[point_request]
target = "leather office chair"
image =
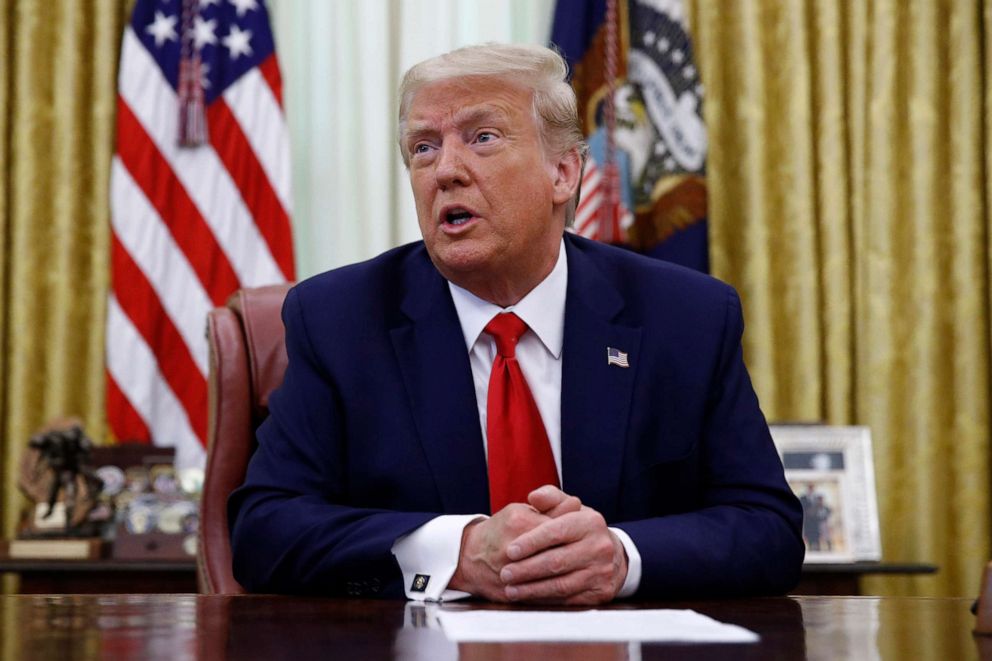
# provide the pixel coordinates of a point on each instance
(247, 362)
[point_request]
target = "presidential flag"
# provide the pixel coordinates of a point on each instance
(641, 103)
(200, 205)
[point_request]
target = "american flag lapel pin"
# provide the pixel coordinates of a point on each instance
(616, 357)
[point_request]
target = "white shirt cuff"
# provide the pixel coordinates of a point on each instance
(633, 580)
(428, 557)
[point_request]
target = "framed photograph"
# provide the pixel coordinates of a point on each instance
(831, 470)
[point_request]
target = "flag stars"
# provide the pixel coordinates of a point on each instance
(649, 38)
(204, 32)
(663, 45)
(237, 42)
(206, 3)
(163, 29)
(244, 6)
(688, 72)
(678, 56)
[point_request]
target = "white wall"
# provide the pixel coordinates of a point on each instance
(341, 62)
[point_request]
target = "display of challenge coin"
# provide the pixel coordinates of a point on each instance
(140, 517)
(163, 479)
(122, 500)
(136, 479)
(173, 517)
(191, 481)
(189, 544)
(113, 479)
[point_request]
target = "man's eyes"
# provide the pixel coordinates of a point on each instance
(425, 146)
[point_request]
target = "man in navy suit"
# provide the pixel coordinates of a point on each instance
(373, 471)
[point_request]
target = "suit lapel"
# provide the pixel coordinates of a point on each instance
(430, 350)
(596, 396)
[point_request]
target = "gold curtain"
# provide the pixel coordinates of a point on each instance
(849, 188)
(58, 70)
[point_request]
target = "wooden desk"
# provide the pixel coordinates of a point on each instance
(119, 576)
(215, 627)
(122, 576)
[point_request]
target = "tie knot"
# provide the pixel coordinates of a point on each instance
(506, 328)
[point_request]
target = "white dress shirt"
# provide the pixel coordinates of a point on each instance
(432, 550)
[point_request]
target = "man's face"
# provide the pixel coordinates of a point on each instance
(489, 201)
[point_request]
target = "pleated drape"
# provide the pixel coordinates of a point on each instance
(57, 95)
(849, 205)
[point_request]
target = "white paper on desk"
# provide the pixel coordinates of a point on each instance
(682, 626)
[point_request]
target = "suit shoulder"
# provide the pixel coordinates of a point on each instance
(363, 293)
(356, 282)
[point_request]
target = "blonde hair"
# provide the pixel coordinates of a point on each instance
(540, 69)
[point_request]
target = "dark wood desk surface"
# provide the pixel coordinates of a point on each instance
(247, 627)
(133, 576)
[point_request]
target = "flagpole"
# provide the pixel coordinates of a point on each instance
(609, 221)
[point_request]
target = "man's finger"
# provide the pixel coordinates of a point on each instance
(553, 532)
(552, 562)
(559, 589)
(554, 589)
(552, 501)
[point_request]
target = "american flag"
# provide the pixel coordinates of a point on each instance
(191, 223)
(594, 201)
(616, 357)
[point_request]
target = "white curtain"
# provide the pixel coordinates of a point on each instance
(342, 61)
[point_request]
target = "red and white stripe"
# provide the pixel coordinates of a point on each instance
(190, 226)
(592, 205)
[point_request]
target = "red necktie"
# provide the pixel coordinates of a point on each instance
(520, 458)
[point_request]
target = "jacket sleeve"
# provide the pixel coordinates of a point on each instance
(292, 528)
(744, 537)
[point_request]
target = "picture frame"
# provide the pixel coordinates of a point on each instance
(832, 472)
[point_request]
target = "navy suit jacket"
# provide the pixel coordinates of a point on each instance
(375, 430)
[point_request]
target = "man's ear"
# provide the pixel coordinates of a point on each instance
(568, 171)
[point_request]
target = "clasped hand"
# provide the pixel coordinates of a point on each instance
(553, 550)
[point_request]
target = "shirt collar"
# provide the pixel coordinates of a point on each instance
(542, 309)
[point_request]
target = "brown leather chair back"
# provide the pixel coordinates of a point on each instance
(247, 362)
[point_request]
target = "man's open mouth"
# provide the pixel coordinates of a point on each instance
(457, 216)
